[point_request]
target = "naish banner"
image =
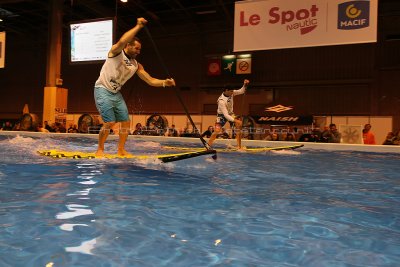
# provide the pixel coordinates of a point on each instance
(284, 120)
(276, 24)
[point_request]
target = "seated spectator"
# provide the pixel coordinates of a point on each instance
(172, 131)
(7, 126)
(75, 129)
(396, 140)
(138, 129)
(48, 127)
(389, 139)
(40, 128)
(223, 134)
(332, 135)
(84, 128)
(208, 132)
(59, 128)
(17, 126)
(290, 137)
(272, 137)
(308, 137)
(368, 136)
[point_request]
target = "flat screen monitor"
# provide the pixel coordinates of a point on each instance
(91, 40)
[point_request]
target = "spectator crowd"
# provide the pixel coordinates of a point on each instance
(329, 134)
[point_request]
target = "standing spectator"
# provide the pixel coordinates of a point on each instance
(332, 135)
(368, 135)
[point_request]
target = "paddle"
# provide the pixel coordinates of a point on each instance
(206, 145)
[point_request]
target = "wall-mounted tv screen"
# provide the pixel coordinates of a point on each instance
(91, 40)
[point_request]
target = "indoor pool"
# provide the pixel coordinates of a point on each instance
(285, 208)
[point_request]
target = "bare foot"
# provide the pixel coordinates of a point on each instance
(124, 153)
(229, 146)
(99, 153)
(242, 148)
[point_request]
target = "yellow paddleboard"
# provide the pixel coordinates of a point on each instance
(162, 157)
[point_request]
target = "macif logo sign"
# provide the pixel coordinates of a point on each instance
(353, 15)
(304, 19)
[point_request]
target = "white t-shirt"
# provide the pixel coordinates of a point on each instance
(225, 104)
(116, 71)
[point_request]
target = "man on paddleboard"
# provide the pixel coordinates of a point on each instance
(225, 113)
(118, 68)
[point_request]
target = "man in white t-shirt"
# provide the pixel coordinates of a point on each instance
(118, 68)
(225, 113)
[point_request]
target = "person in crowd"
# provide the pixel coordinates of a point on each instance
(290, 137)
(73, 128)
(138, 129)
(389, 139)
(273, 136)
(172, 131)
(83, 128)
(225, 113)
(368, 135)
(308, 137)
(17, 126)
(332, 135)
(396, 139)
(223, 134)
(118, 68)
(61, 127)
(41, 129)
(189, 133)
(7, 126)
(207, 133)
(48, 127)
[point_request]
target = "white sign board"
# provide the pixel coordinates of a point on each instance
(275, 24)
(91, 41)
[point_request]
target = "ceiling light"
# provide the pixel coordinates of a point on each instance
(124, 1)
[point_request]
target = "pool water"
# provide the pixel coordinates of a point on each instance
(288, 208)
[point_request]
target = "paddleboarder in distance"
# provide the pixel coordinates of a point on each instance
(225, 113)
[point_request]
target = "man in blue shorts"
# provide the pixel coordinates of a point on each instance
(225, 113)
(118, 68)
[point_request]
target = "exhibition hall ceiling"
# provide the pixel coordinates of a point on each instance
(30, 18)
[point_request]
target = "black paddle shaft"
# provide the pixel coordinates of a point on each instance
(206, 145)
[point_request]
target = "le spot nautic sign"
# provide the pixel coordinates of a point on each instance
(276, 24)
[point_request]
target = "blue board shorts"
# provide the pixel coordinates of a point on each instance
(221, 120)
(111, 106)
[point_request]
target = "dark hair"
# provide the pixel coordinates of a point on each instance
(228, 87)
(135, 39)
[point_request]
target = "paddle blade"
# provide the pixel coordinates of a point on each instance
(193, 154)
